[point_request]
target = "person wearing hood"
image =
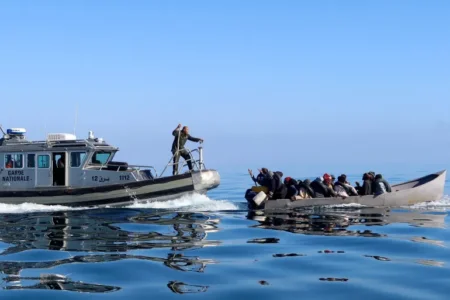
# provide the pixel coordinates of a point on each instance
(329, 184)
(304, 190)
(381, 186)
(262, 178)
(291, 187)
(277, 190)
(321, 187)
(366, 188)
(343, 189)
(333, 180)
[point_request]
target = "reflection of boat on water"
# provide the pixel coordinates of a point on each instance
(336, 222)
(174, 261)
(183, 288)
(98, 232)
(103, 231)
(425, 189)
(57, 282)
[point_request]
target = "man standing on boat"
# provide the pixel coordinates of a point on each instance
(181, 136)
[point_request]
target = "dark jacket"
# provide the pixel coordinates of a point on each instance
(319, 188)
(183, 139)
(366, 188)
(277, 189)
(347, 189)
(306, 185)
(377, 186)
(386, 184)
(291, 187)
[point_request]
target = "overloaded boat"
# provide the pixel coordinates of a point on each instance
(65, 170)
(424, 189)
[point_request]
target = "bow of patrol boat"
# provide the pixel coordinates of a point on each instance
(205, 180)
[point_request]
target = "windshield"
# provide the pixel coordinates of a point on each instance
(100, 157)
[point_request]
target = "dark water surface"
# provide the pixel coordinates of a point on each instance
(214, 248)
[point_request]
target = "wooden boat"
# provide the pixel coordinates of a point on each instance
(424, 189)
(65, 170)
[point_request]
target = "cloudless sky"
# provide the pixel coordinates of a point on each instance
(274, 83)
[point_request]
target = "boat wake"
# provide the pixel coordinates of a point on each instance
(440, 204)
(195, 203)
(189, 203)
(443, 203)
(33, 207)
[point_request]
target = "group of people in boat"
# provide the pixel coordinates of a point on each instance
(326, 186)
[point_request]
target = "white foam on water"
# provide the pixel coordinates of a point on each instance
(194, 202)
(350, 205)
(33, 207)
(439, 204)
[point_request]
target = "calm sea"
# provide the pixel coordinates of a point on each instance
(211, 247)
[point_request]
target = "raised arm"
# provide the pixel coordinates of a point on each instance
(176, 131)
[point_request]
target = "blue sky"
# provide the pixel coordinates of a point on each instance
(279, 83)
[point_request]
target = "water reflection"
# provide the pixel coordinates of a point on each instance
(56, 282)
(173, 261)
(338, 222)
(183, 288)
(112, 235)
(74, 231)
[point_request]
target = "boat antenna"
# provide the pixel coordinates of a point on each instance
(1, 128)
(76, 119)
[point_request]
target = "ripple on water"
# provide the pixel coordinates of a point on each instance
(197, 246)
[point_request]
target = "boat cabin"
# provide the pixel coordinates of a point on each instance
(61, 161)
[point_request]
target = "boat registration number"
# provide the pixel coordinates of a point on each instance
(124, 177)
(100, 178)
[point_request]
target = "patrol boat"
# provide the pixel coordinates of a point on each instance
(64, 170)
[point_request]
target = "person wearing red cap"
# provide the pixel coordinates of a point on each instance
(321, 187)
(327, 180)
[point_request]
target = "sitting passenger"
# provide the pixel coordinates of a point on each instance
(329, 184)
(381, 185)
(277, 190)
(321, 187)
(372, 179)
(388, 186)
(366, 188)
(291, 187)
(262, 178)
(318, 187)
(333, 180)
(304, 189)
(353, 191)
(343, 189)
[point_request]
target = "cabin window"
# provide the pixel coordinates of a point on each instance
(100, 157)
(30, 161)
(14, 161)
(77, 159)
(43, 161)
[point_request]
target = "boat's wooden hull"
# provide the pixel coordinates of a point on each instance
(424, 189)
(159, 189)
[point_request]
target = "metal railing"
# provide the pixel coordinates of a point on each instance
(196, 163)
